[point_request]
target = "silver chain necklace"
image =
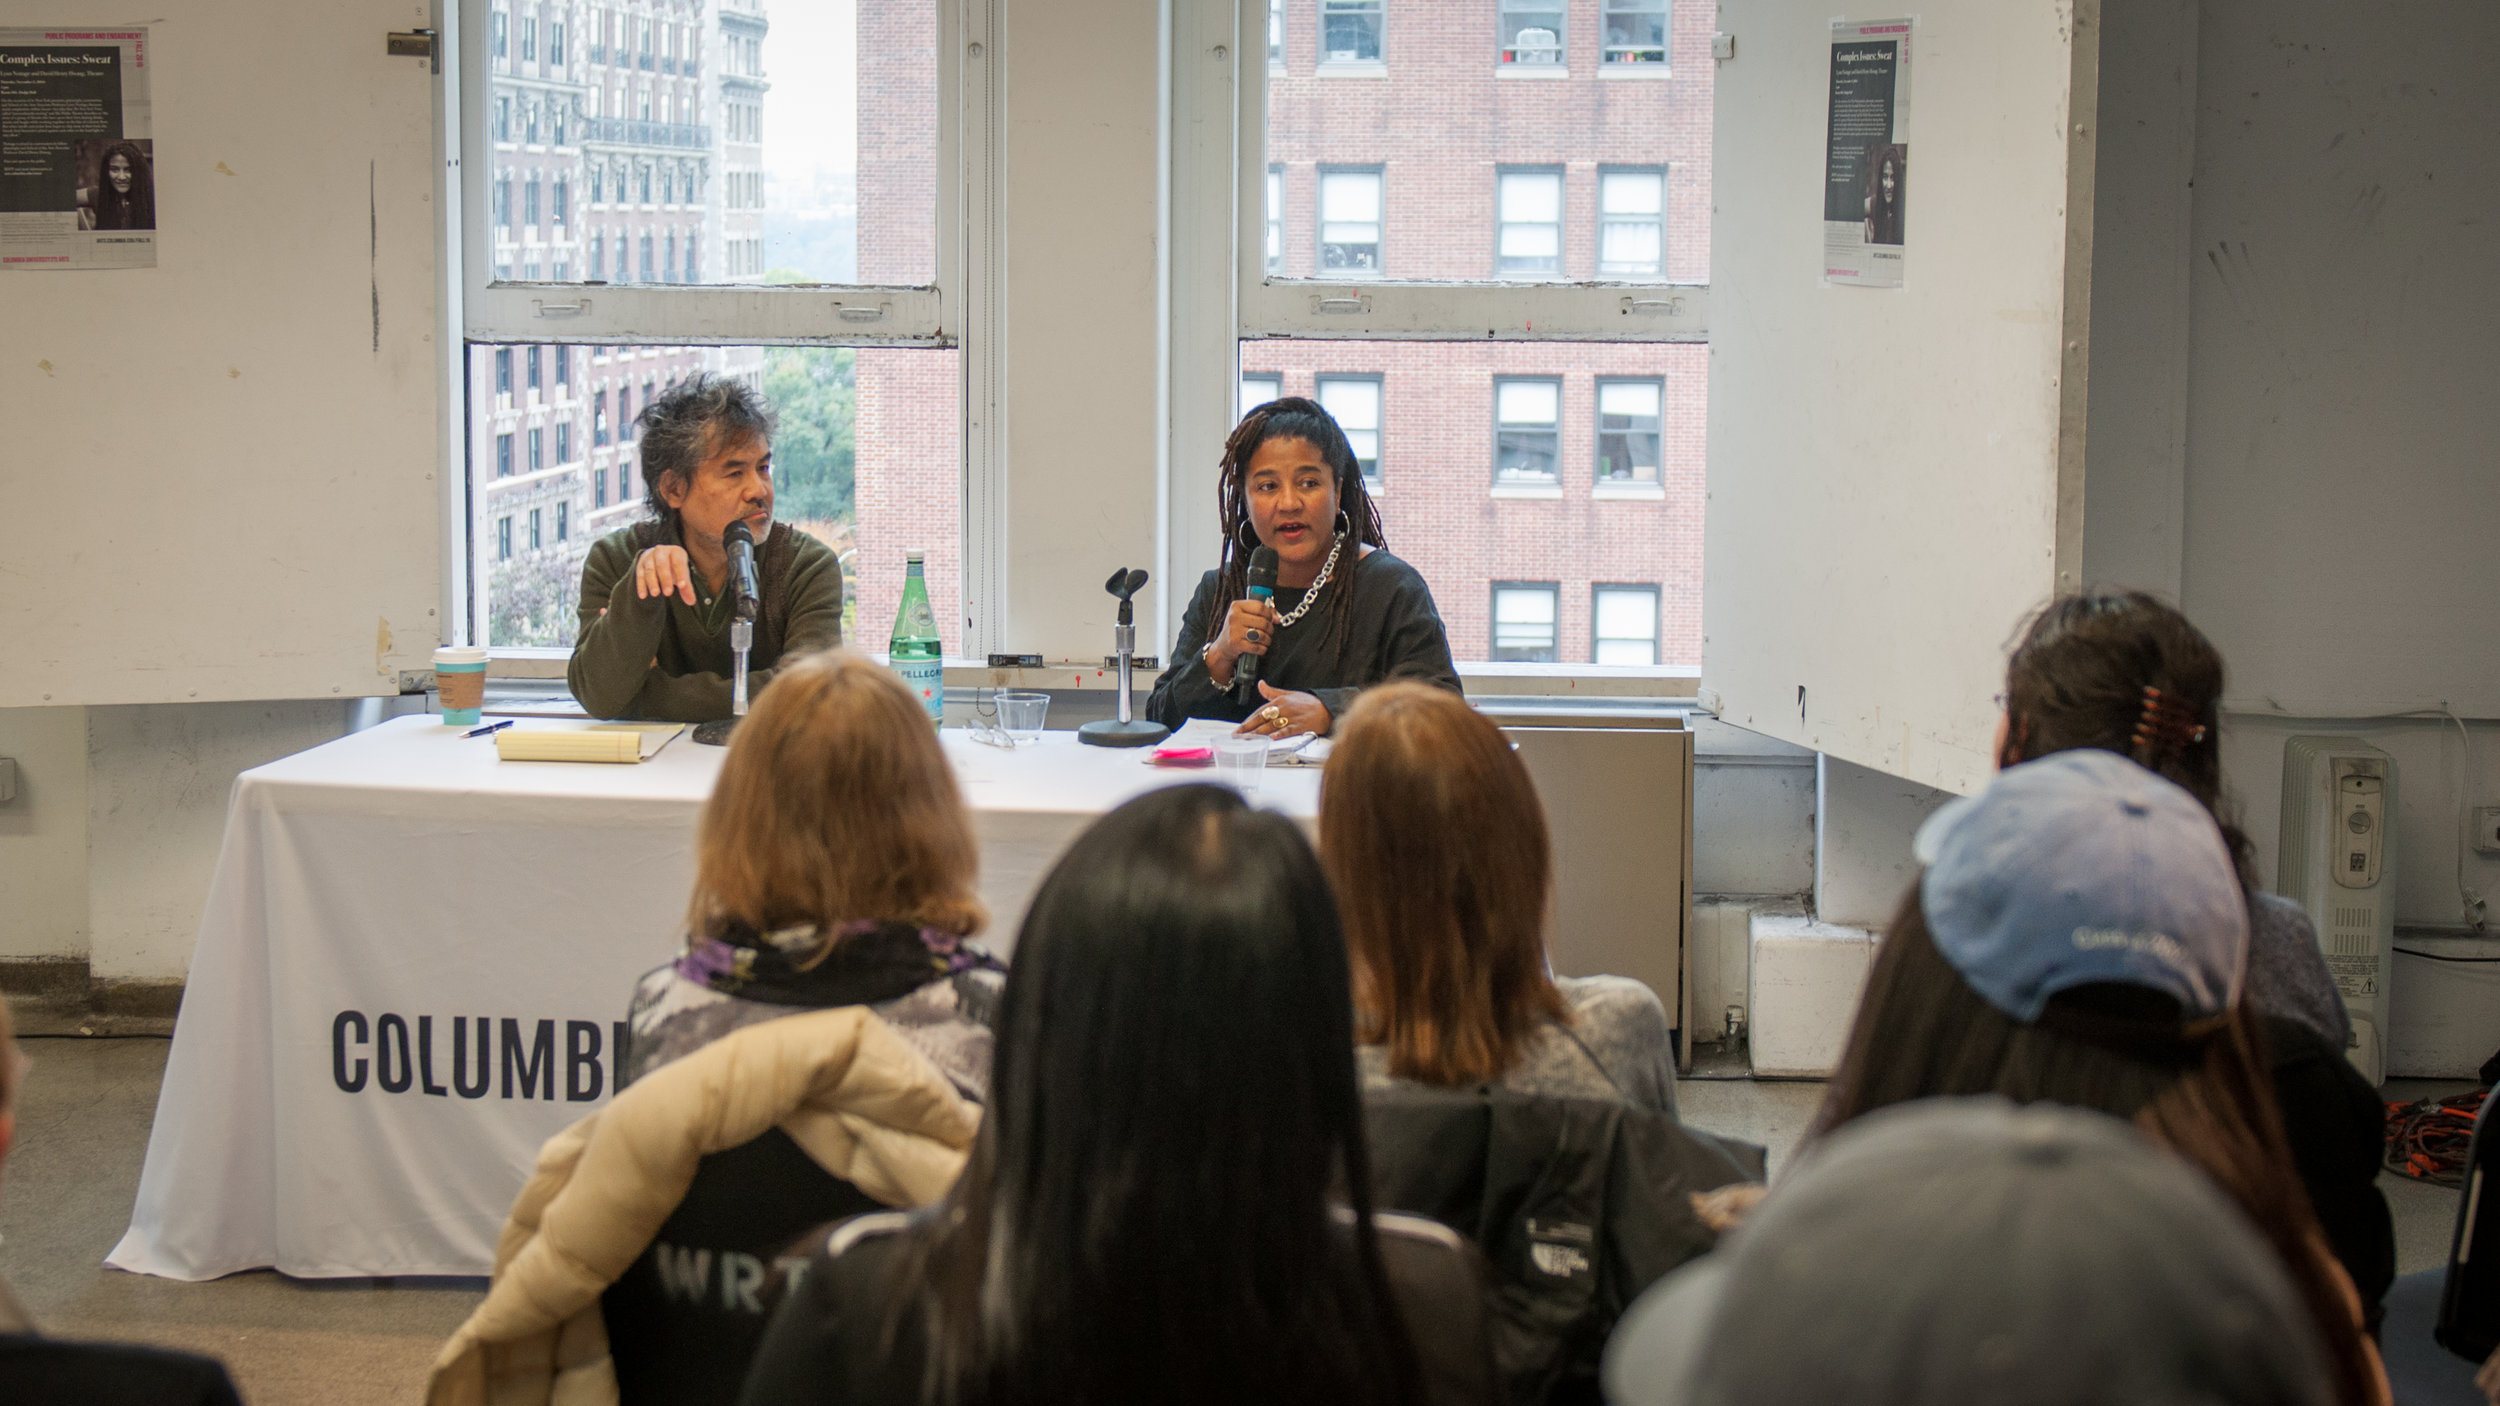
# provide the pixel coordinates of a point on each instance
(1335, 545)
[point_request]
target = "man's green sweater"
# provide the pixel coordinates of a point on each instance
(663, 659)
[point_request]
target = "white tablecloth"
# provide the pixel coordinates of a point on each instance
(382, 901)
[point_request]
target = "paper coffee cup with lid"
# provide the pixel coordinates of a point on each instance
(460, 683)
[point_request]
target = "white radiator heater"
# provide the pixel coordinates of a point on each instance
(2339, 803)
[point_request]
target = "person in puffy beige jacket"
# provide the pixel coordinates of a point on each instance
(864, 1105)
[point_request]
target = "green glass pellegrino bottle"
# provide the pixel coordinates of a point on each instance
(914, 648)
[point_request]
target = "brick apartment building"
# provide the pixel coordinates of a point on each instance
(627, 148)
(1552, 494)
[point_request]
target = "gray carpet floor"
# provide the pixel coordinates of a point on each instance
(83, 1116)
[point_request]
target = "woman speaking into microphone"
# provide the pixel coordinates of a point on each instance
(1343, 614)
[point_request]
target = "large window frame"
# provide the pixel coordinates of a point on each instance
(1371, 307)
(956, 309)
(1218, 222)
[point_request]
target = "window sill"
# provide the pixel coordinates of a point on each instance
(1550, 491)
(1635, 71)
(1531, 70)
(1629, 492)
(1351, 70)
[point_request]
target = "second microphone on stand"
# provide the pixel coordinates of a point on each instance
(1263, 564)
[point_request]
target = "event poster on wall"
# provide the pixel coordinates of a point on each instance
(1866, 158)
(77, 154)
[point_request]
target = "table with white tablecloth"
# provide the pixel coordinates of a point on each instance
(413, 966)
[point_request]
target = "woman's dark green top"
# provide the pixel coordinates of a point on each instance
(1395, 634)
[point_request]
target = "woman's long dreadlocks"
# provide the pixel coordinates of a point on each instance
(1291, 417)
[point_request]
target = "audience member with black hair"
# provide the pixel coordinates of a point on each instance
(1436, 844)
(1168, 1200)
(35, 1369)
(2079, 936)
(1951, 1252)
(816, 1053)
(2126, 673)
(1289, 482)
(656, 607)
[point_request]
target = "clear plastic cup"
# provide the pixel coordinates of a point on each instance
(1241, 763)
(1020, 716)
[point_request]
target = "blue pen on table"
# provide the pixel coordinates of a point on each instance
(490, 727)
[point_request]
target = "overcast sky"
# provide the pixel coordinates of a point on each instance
(811, 113)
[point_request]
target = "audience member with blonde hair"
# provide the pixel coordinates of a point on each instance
(834, 866)
(816, 1053)
(1436, 843)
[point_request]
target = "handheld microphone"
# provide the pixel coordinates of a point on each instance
(739, 542)
(1263, 563)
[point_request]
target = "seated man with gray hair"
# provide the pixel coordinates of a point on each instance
(656, 604)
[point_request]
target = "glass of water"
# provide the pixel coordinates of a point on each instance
(1241, 763)
(1021, 715)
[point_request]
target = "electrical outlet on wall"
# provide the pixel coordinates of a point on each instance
(2487, 829)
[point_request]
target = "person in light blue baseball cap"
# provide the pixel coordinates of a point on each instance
(2083, 868)
(2079, 937)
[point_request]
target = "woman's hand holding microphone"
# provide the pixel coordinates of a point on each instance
(1249, 628)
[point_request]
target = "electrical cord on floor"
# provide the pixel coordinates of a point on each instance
(2428, 1140)
(2436, 957)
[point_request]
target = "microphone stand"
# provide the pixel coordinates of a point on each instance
(741, 639)
(1124, 731)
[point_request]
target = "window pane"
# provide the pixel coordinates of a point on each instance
(1524, 623)
(1531, 34)
(1532, 195)
(1528, 402)
(1350, 31)
(1636, 31)
(794, 146)
(1437, 443)
(1628, 398)
(1257, 391)
(1623, 615)
(866, 461)
(1350, 222)
(1443, 124)
(1632, 193)
(1355, 402)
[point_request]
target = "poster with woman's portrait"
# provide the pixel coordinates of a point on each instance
(78, 190)
(116, 183)
(1866, 154)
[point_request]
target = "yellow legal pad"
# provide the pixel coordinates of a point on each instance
(606, 742)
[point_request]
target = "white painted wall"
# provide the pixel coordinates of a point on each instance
(238, 448)
(2343, 493)
(158, 781)
(43, 834)
(1862, 834)
(1886, 465)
